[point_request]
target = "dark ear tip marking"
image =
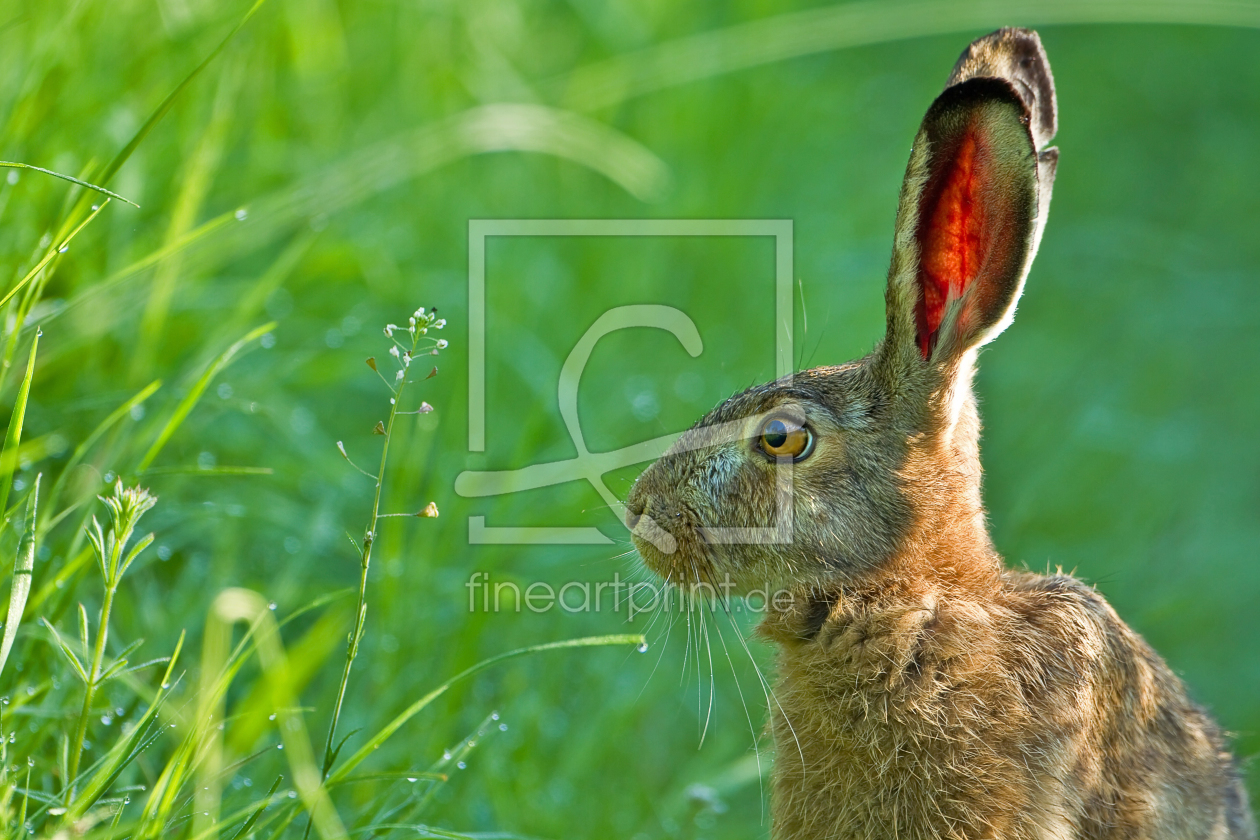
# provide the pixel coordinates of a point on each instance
(1017, 57)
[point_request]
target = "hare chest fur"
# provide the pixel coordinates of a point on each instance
(923, 690)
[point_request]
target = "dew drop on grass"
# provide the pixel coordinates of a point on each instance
(503, 727)
(462, 765)
(4, 700)
(242, 214)
(643, 647)
(272, 606)
(106, 719)
(63, 249)
(446, 756)
(494, 716)
(271, 716)
(411, 778)
(165, 686)
(293, 794)
(30, 761)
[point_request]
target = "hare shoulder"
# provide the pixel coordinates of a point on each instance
(1027, 711)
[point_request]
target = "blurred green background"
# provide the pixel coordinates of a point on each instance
(360, 138)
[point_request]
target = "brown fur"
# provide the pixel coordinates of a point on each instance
(924, 691)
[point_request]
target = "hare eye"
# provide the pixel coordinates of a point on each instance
(782, 438)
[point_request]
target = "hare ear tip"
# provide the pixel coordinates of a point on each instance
(1017, 57)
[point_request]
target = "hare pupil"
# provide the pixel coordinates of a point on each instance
(776, 434)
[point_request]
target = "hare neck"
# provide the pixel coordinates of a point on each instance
(946, 545)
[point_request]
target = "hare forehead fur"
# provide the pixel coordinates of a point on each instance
(923, 690)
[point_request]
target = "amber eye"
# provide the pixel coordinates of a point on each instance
(784, 438)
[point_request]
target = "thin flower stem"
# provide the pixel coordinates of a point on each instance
(352, 648)
(89, 692)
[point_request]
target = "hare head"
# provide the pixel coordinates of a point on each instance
(853, 471)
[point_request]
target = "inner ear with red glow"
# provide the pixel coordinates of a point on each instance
(972, 215)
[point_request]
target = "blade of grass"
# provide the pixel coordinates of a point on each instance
(105, 771)
(14, 436)
(231, 606)
(194, 185)
(220, 470)
(846, 25)
(124, 154)
(306, 656)
(186, 405)
(23, 569)
(60, 580)
(59, 247)
(258, 812)
(81, 450)
(415, 708)
(12, 164)
(485, 129)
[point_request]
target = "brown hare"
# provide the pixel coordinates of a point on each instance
(923, 690)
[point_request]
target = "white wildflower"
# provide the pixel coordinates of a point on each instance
(398, 377)
(442, 343)
(389, 330)
(393, 351)
(439, 323)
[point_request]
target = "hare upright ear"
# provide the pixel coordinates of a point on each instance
(974, 202)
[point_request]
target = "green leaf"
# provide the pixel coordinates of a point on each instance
(113, 669)
(74, 660)
(83, 626)
(140, 546)
(23, 570)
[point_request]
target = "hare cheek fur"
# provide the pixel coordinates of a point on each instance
(923, 690)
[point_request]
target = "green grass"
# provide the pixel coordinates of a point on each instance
(309, 178)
